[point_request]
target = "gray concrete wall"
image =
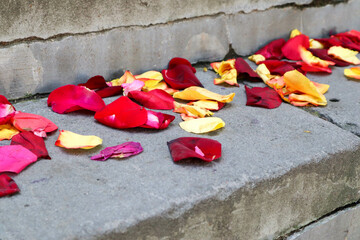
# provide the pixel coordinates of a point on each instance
(47, 44)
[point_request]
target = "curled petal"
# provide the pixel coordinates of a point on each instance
(208, 104)
(124, 150)
(136, 85)
(14, 158)
(344, 54)
(313, 68)
(268, 78)
(323, 54)
(7, 131)
(262, 97)
(191, 111)
(180, 74)
(72, 140)
(270, 51)
(71, 98)
(277, 67)
(122, 113)
(32, 142)
(229, 77)
(312, 60)
(149, 75)
(126, 78)
(7, 185)
(242, 67)
(157, 120)
(95, 82)
(202, 125)
(291, 48)
(353, 72)
(155, 99)
(37, 124)
(109, 91)
(199, 93)
(192, 147)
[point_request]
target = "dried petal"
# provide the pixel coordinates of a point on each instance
(124, 150)
(199, 93)
(37, 124)
(155, 99)
(32, 142)
(262, 97)
(7, 185)
(14, 158)
(192, 147)
(72, 140)
(202, 125)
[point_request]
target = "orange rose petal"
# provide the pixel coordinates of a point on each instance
(72, 140)
(193, 111)
(344, 54)
(353, 72)
(126, 78)
(199, 93)
(311, 60)
(7, 131)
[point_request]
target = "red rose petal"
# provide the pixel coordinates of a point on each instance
(242, 67)
(323, 54)
(312, 68)
(32, 142)
(7, 185)
(7, 110)
(180, 74)
(194, 147)
(277, 67)
(37, 124)
(14, 158)
(273, 49)
(109, 91)
(291, 48)
(157, 120)
(124, 150)
(71, 98)
(346, 41)
(262, 97)
(122, 113)
(154, 99)
(95, 82)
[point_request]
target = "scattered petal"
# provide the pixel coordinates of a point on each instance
(344, 54)
(226, 70)
(270, 51)
(191, 112)
(313, 63)
(353, 72)
(277, 67)
(37, 124)
(124, 150)
(31, 142)
(193, 147)
(72, 140)
(109, 91)
(7, 186)
(180, 74)
(157, 120)
(199, 93)
(155, 99)
(208, 104)
(7, 110)
(202, 125)
(71, 98)
(95, 82)
(7, 131)
(126, 78)
(262, 97)
(122, 113)
(323, 54)
(291, 48)
(242, 67)
(149, 75)
(136, 85)
(14, 158)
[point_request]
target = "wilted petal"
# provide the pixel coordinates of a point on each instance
(262, 97)
(155, 99)
(242, 67)
(344, 54)
(157, 120)
(180, 74)
(202, 125)
(199, 93)
(14, 158)
(70, 98)
(122, 113)
(37, 124)
(7, 185)
(32, 142)
(353, 72)
(291, 48)
(72, 140)
(136, 85)
(124, 150)
(7, 131)
(192, 147)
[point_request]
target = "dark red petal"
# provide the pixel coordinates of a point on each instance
(180, 74)
(329, 42)
(122, 113)
(109, 91)
(32, 142)
(154, 99)
(242, 67)
(347, 42)
(37, 124)
(157, 120)
(95, 82)
(185, 147)
(7, 185)
(323, 54)
(262, 97)
(277, 67)
(70, 98)
(273, 49)
(311, 68)
(291, 48)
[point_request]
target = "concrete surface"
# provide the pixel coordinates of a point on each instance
(201, 31)
(281, 169)
(342, 225)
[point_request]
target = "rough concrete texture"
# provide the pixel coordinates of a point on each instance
(41, 66)
(342, 225)
(280, 169)
(47, 18)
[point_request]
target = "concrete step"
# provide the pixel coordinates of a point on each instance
(280, 169)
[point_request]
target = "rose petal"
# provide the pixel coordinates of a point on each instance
(150, 75)
(199, 93)
(192, 147)
(314, 61)
(323, 54)
(157, 120)
(124, 150)
(7, 110)
(277, 67)
(353, 72)
(37, 124)
(270, 51)
(291, 48)
(242, 67)
(95, 82)
(344, 54)
(155, 99)
(136, 85)
(192, 112)
(122, 113)
(109, 91)
(7, 186)
(311, 68)
(71, 98)
(126, 78)
(208, 104)
(31, 142)
(7, 131)
(14, 158)
(180, 74)
(72, 140)
(202, 125)
(262, 97)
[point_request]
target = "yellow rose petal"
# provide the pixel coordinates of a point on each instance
(344, 54)
(192, 111)
(207, 104)
(202, 125)
(256, 58)
(295, 32)
(72, 140)
(7, 131)
(353, 72)
(153, 75)
(199, 93)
